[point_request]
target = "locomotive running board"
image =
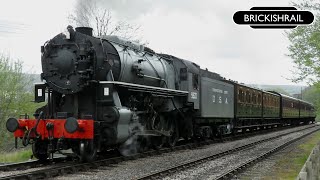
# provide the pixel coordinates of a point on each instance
(150, 89)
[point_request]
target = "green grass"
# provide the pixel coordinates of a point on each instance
(16, 156)
(289, 166)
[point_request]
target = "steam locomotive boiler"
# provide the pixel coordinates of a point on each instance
(101, 93)
(107, 93)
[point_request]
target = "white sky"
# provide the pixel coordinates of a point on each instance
(202, 31)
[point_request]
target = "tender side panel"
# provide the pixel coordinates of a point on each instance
(216, 99)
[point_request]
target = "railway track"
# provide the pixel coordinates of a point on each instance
(233, 171)
(31, 164)
(69, 168)
(264, 155)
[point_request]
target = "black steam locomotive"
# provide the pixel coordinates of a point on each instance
(107, 93)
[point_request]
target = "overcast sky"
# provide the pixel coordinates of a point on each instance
(202, 31)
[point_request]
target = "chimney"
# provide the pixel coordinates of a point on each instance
(84, 30)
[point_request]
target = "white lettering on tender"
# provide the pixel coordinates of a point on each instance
(194, 95)
(217, 90)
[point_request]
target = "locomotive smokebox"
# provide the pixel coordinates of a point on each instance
(84, 30)
(64, 61)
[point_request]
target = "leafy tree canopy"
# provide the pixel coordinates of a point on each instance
(15, 99)
(304, 46)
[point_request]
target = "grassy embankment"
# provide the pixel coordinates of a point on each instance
(16, 156)
(289, 166)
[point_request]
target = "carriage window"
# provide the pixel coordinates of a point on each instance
(239, 95)
(242, 96)
(259, 99)
(247, 97)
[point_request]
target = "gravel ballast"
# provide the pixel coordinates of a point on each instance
(136, 168)
(215, 168)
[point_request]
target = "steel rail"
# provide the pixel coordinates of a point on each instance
(192, 163)
(246, 164)
(78, 167)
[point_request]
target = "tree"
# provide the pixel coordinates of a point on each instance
(15, 99)
(304, 46)
(93, 14)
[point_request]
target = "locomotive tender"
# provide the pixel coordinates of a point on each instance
(105, 92)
